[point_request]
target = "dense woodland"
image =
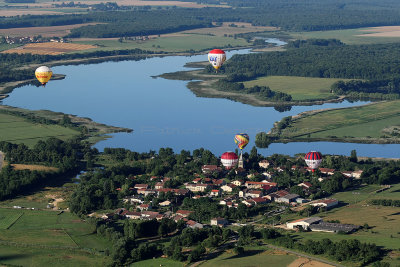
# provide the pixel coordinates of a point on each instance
(289, 15)
(66, 156)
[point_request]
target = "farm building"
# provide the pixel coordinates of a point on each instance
(287, 198)
(333, 227)
(219, 221)
(304, 223)
(328, 203)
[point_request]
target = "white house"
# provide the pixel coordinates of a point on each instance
(219, 221)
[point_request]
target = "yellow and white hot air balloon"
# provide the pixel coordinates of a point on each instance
(43, 74)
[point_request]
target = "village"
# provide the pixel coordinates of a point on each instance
(144, 203)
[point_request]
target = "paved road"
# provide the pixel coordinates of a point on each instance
(304, 255)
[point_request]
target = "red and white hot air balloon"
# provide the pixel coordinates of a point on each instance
(229, 160)
(216, 57)
(313, 159)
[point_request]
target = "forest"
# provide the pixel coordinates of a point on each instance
(67, 156)
(289, 15)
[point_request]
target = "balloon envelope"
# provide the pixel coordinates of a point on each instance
(313, 159)
(43, 74)
(216, 57)
(242, 140)
(229, 159)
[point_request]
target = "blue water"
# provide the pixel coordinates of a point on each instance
(164, 113)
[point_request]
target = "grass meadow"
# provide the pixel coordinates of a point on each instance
(349, 36)
(362, 121)
(252, 257)
(49, 228)
(33, 256)
(18, 130)
(158, 262)
(300, 88)
(178, 43)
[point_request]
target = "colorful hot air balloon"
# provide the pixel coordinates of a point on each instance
(43, 74)
(216, 57)
(313, 159)
(229, 160)
(242, 140)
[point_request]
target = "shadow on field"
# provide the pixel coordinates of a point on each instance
(247, 253)
(13, 257)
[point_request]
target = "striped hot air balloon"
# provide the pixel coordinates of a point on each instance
(43, 74)
(229, 159)
(313, 159)
(242, 140)
(216, 57)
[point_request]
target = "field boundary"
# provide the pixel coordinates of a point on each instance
(15, 221)
(12, 221)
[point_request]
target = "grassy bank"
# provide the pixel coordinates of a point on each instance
(28, 127)
(18, 130)
(300, 88)
(372, 123)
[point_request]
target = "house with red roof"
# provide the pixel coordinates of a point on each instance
(193, 224)
(141, 186)
(184, 213)
(215, 193)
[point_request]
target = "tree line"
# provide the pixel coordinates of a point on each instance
(261, 92)
(386, 202)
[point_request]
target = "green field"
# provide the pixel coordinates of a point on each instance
(358, 123)
(15, 129)
(367, 193)
(158, 262)
(187, 42)
(8, 46)
(8, 218)
(252, 257)
(300, 88)
(32, 256)
(349, 36)
(49, 228)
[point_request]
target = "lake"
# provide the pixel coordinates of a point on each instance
(164, 113)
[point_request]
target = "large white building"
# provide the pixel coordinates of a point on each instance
(327, 203)
(304, 223)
